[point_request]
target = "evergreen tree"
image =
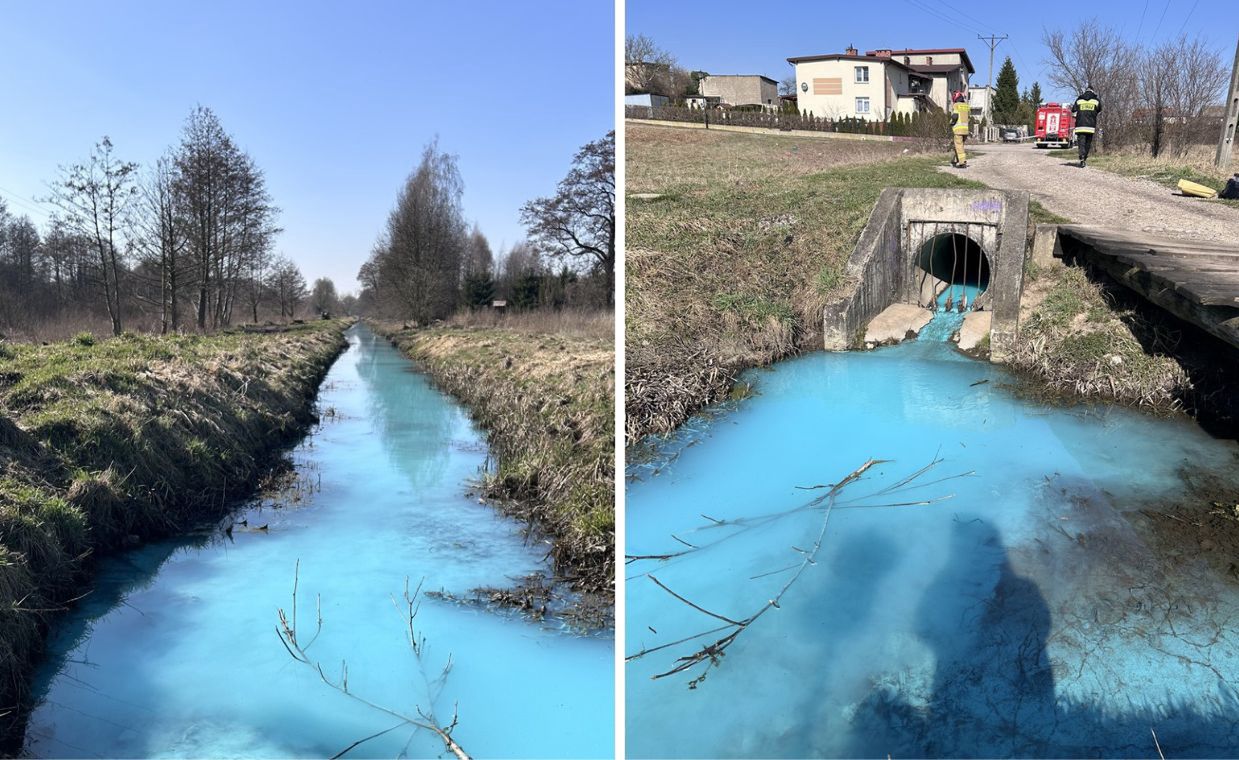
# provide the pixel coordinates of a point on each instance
(526, 290)
(1030, 101)
(1034, 96)
(1006, 105)
(479, 290)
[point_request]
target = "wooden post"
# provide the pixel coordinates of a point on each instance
(1227, 142)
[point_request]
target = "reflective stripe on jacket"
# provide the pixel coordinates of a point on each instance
(1086, 109)
(960, 113)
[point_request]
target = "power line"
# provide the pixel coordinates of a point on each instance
(1159, 21)
(26, 203)
(1140, 26)
(985, 26)
(930, 10)
(1189, 16)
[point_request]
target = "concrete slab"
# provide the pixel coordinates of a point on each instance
(974, 330)
(895, 323)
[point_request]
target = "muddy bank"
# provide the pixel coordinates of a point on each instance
(107, 444)
(547, 403)
(1202, 523)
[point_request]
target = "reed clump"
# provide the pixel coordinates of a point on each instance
(548, 403)
(105, 443)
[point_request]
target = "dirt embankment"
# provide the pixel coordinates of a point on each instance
(105, 444)
(547, 402)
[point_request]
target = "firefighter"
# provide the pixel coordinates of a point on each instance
(1086, 109)
(960, 113)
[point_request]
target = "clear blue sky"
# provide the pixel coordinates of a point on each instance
(742, 37)
(334, 100)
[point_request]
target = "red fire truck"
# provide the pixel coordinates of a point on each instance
(1055, 126)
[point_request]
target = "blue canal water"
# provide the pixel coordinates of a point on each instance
(175, 653)
(1023, 612)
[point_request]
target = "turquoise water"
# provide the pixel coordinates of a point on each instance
(175, 652)
(1018, 613)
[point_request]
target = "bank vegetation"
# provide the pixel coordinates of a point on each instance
(109, 443)
(547, 402)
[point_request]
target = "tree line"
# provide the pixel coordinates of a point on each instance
(186, 243)
(429, 261)
(1154, 97)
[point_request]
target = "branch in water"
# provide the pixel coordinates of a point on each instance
(711, 654)
(287, 631)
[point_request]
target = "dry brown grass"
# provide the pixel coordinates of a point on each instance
(577, 323)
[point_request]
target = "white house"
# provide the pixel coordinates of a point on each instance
(981, 99)
(880, 82)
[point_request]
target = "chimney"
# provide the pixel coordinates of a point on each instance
(883, 53)
(851, 50)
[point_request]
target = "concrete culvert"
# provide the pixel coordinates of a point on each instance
(957, 268)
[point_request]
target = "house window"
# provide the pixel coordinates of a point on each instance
(862, 74)
(862, 105)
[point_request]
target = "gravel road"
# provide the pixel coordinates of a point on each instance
(1097, 197)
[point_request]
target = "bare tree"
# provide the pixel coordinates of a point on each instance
(1097, 56)
(415, 268)
(647, 67)
(288, 285)
(579, 220)
(323, 299)
(95, 197)
(229, 217)
(1156, 79)
(160, 238)
(478, 258)
(1198, 78)
(787, 86)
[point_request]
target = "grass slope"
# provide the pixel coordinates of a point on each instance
(104, 443)
(730, 265)
(548, 402)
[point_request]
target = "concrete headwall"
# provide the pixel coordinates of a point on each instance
(883, 270)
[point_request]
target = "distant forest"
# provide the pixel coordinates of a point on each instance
(187, 244)
(429, 263)
(184, 244)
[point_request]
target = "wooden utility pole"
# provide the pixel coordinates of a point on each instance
(992, 41)
(1227, 143)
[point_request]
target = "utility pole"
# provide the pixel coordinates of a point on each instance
(992, 41)
(1227, 142)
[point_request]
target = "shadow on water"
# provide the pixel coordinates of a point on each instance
(994, 690)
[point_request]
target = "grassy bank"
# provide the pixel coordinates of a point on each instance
(109, 443)
(730, 265)
(1084, 336)
(547, 400)
(1166, 170)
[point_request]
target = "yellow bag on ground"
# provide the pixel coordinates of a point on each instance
(1200, 191)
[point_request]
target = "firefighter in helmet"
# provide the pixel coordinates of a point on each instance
(960, 113)
(1086, 109)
